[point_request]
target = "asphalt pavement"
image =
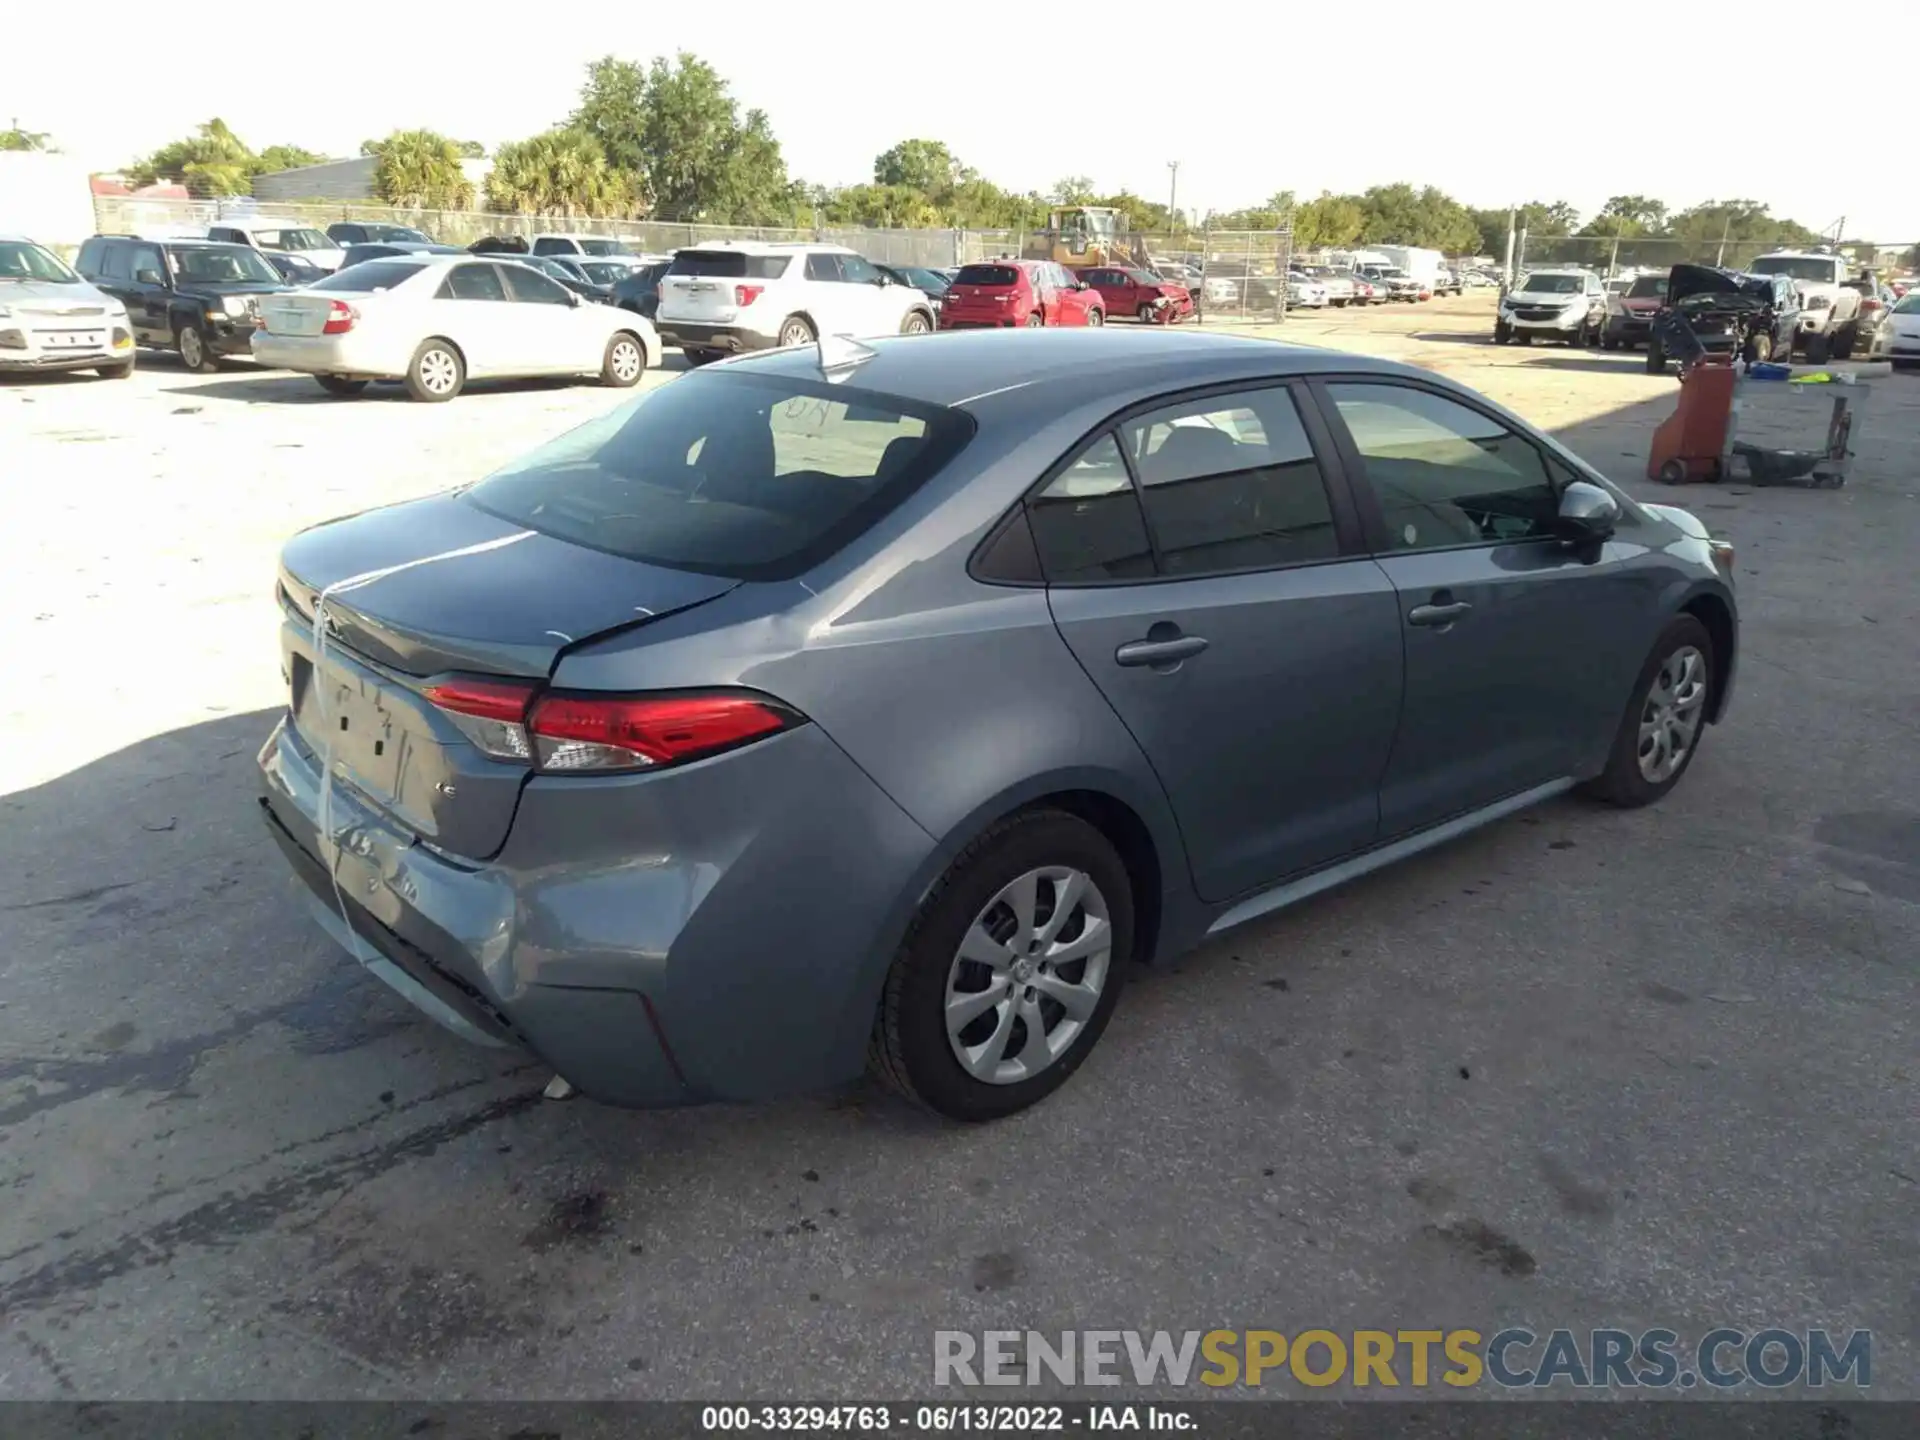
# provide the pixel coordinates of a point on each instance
(1582, 1068)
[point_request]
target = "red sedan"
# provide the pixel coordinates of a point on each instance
(999, 294)
(1128, 291)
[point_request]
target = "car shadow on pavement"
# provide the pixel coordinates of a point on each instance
(1455, 337)
(1601, 363)
(276, 387)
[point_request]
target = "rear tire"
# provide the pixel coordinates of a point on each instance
(340, 385)
(436, 373)
(912, 1049)
(796, 330)
(625, 361)
(1656, 359)
(1035, 320)
(1626, 782)
(700, 357)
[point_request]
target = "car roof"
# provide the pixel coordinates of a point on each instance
(967, 365)
(769, 247)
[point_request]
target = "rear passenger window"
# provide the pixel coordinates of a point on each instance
(1087, 524)
(529, 285)
(473, 282)
(823, 267)
(1230, 483)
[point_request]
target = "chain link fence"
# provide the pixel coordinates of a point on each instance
(120, 214)
(1237, 275)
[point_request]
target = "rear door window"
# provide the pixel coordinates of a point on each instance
(1087, 523)
(823, 267)
(756, 477)
(116, 263)
(1231, 483)
(473, 282)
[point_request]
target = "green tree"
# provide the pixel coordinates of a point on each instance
(560, 172)
(924, 165)
(613, 109)
(212, 162)
(1733, 231)
(15, 138)
(1328, 222)
(420, 169)
(1072, 190)
(286, 157)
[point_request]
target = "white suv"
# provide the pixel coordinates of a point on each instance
(555, 242)
(754, 295)
(1829, 310)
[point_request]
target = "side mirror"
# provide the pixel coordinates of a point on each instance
(1587, 514)
(573, 299)
(883, 280)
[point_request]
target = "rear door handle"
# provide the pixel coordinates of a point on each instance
(1159, 652)
(1440, 615)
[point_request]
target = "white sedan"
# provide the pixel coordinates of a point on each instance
(437, 321)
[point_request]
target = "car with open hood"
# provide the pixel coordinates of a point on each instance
(1732, 313)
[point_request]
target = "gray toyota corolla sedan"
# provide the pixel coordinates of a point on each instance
(844, 705)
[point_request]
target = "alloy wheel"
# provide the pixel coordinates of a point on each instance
(1670, 719)
(1028, 975)
(192, 353)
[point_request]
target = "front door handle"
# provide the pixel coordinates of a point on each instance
(1159, 653)
(1441, 615)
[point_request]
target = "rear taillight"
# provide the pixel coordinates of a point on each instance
(340, 318)
(576, 733)
(610, 732)
(491, 713)
(747, 294)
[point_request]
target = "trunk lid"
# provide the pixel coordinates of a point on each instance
(468, 593)
(296, 313)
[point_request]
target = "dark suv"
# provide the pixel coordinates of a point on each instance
(1751, 317)
(196, 297)
(358, 232)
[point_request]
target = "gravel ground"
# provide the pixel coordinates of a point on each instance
(1582, 1068)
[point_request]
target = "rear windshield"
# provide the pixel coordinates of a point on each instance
(1648, 287)
(753, 477)
(370, 275)
(603, 247)
(987, 275)
(729, 265)
(604, 272)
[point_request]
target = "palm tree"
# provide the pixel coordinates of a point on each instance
(561, 172)
(420, 170)
(18, 139)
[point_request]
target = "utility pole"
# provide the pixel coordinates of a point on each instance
(1720, 256)
(1513, 221)
(1173, 191)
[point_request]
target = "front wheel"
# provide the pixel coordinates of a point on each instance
(436, 372)
(1502, 332)
(1010, 971)
(191, 340)
(1664, 721)
(1759, 348)
(1096, 317)
(1607, 342)
(1656, 359)
(915, 323)
(624, 363)
(340, 384)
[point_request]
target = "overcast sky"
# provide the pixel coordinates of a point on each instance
(1494, 102)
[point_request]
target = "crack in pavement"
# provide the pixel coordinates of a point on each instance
(235, 1214)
